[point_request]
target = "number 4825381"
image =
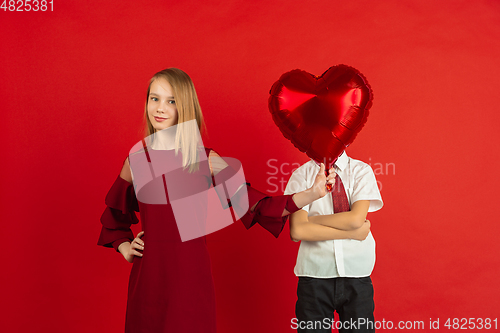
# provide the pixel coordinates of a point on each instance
(471, 323)
(27, 5)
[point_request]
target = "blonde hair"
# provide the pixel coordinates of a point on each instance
(188, 108)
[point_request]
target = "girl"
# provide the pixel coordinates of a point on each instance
(170, 287)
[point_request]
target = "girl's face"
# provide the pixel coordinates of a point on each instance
(162, 111)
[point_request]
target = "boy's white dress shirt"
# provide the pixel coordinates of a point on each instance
(344, 257)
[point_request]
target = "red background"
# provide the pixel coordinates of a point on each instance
(73, 84)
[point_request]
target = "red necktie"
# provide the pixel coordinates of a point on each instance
(340, 202)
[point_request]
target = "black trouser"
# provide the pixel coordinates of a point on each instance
(352, 298)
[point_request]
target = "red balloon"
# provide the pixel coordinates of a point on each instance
(321, 115)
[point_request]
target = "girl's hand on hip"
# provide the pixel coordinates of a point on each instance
(130, 250)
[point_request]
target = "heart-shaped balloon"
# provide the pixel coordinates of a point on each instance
(321, 115)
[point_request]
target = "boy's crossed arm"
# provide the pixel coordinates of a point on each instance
(350, 220)
(345, 225)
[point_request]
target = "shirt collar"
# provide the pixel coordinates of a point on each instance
(340, 163)
(342, 160)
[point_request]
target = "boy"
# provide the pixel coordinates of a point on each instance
(334, 263)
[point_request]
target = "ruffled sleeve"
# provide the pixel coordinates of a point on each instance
(269, 210)
(119, 214)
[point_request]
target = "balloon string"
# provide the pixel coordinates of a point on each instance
(329, 187)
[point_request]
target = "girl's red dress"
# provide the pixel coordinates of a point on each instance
(170, 287)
